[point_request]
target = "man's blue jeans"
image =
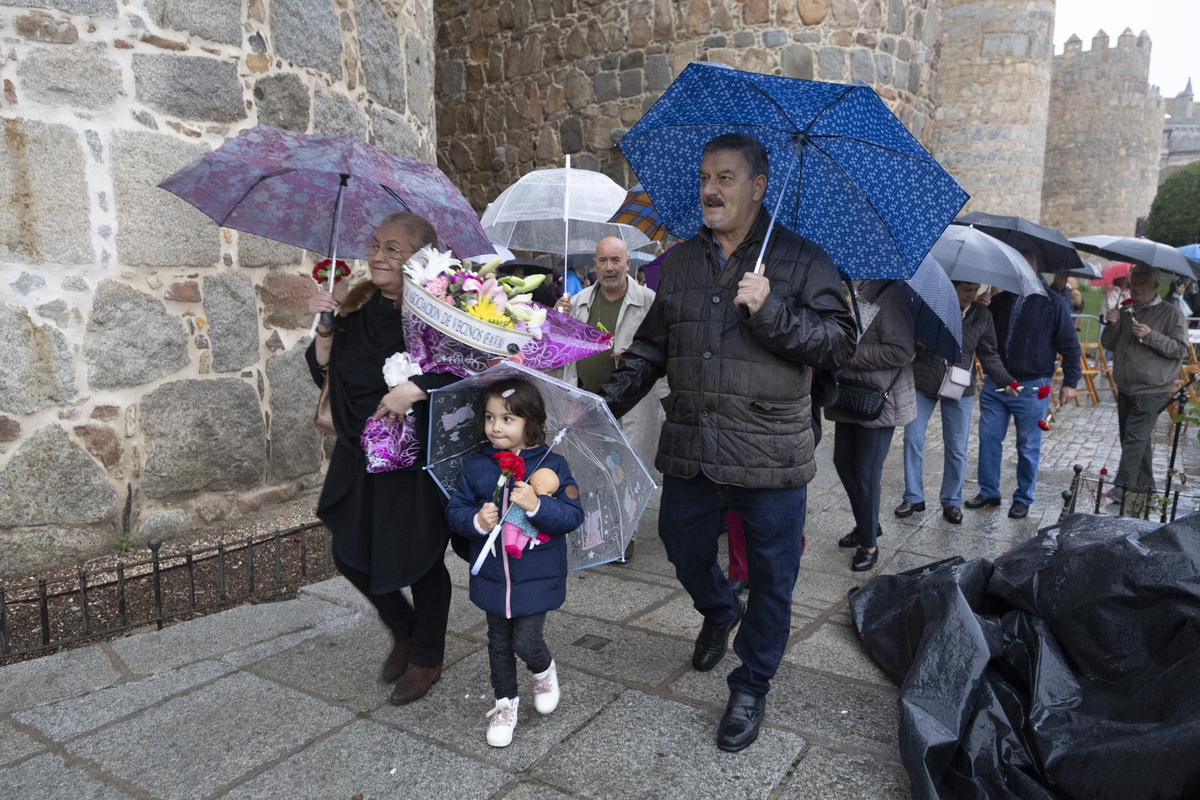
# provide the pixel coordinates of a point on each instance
(689, 523)
(1026, 411)
(956, 427)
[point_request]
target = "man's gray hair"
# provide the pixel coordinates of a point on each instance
(751, 149)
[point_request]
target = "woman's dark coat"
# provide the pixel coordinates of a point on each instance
(537, 581)
(389, 525)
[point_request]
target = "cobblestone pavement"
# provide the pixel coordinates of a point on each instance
(281, 700)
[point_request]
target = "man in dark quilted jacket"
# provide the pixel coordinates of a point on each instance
(738, 421)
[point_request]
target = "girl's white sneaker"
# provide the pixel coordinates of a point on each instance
(504, 720)
(545, 690)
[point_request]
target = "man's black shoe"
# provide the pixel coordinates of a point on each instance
(743, 717)
(713, 641)
(908, 509)
(864, 559)
(979, 501)
(1018, 510)
(952, 514)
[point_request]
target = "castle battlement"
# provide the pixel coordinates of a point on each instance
(1129, 49)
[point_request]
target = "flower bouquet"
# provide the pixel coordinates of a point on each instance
(463, 320)
(392, 445)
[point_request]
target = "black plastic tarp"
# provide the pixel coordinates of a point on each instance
(1067, 668)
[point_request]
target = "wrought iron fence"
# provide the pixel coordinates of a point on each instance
(54, 613)
(1086, 495)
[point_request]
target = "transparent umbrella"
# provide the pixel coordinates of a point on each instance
(547, 210)
(613, 483)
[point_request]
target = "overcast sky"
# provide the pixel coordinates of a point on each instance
(1173, 25)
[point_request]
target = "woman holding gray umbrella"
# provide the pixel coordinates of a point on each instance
(389, 528)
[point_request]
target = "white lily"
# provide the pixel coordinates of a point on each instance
(428, 263)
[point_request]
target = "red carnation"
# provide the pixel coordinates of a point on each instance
(320, 271)
(1104, 470)
(511, 464)
(1014, 385)
(1043, 424)
(1126, 302)
(1043, 392)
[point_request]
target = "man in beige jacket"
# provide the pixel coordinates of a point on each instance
(619, 303)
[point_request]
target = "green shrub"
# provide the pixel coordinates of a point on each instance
(1175, 214)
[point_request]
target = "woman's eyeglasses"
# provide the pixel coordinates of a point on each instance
(389, 252)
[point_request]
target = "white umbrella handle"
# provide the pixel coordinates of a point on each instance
(487, 547)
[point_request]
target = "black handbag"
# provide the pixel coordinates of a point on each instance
(861, 400)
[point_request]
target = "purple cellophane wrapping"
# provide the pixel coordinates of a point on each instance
(389, 445)
(564, 339)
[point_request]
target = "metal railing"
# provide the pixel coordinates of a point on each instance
(1086, 495)
(53, 613)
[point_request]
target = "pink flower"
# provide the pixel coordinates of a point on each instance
(438, 286)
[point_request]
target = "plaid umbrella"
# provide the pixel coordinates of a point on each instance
(638, 211)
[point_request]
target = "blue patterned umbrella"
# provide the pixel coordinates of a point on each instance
(845, 172)
(935, 304)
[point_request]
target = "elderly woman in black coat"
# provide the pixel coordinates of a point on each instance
(389, 528)
(883, 357)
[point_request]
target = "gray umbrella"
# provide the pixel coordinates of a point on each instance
(969, 254)
(1140, 251)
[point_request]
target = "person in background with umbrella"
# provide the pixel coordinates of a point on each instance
(619, 303)
(1150, 341)
(1068, 288)
(883, 357)
(1032, 331)
(929, 374)
(389, 528)
(738, 429)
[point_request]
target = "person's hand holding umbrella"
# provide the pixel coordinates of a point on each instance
(753, 290)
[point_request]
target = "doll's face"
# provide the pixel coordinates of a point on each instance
(504, 429)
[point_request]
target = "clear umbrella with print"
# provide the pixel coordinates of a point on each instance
(614, 485)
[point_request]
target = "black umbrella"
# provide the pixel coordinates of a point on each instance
(1055, 253)
(1139, 251)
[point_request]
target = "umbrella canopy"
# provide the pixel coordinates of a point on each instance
(844, 172)
(1112, 273)
(1139, 251)
(935, 306)
(326, 194)
(1089, 271)
(638, 211)
(1055, 253)
(1192, 251)
(614, 485)
(549, 210)
(967, 254)
(497, 251)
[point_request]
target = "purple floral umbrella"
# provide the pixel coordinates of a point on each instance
(326, 194)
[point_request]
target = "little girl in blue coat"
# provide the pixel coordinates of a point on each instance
(516, 592)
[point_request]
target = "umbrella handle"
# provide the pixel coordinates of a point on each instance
(487, 547)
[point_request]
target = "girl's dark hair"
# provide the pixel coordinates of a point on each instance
(525, 402)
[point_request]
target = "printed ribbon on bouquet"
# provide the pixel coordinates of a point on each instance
(462, 321)
(392, 445)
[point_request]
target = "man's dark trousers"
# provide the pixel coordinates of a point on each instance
(1136, 415)
(689, 523)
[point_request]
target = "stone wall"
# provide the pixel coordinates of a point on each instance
(993, 99)
(1181, 134)
(153, 361)
(1103, 139)
(520, 83)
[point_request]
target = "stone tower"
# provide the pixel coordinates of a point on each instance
(520, 83)
(1103, 139)
(131, 323)
(992, 100)
(1181, 134)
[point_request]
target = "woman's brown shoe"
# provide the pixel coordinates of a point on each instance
(397, 660)
(414, 684)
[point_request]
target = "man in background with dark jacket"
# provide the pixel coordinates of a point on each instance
(738, 428)
(1031, 331)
